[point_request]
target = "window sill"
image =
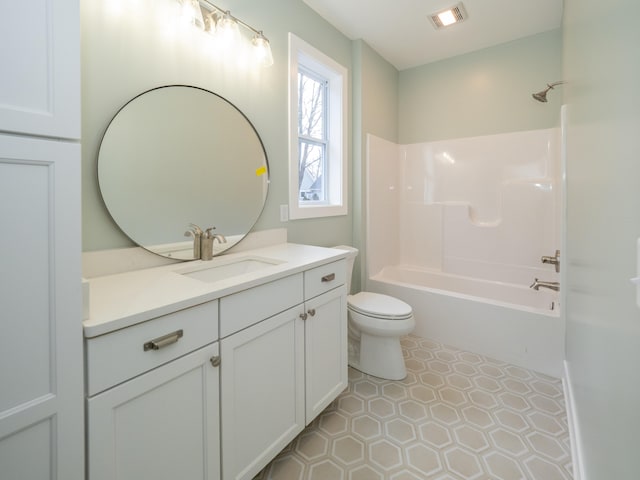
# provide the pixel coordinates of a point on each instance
(316, 211)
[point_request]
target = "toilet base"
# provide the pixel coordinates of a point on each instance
(377, 356)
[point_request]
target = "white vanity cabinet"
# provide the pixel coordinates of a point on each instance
(325, 336)
(262, 374)
(170, 413)
(278, 374)
(262, 392)
(153, 405)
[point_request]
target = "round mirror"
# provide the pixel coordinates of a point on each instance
(176, 156)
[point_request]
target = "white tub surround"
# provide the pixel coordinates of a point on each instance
(468, 206)
(469, 219)
(244, 350)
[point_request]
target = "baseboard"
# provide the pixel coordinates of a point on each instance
(574, 427)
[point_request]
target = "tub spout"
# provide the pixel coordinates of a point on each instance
(550, 285)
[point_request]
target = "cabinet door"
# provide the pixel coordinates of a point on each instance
(262, 386)
(325, 336)
(40, 58)
(41, 387)
(163, 425)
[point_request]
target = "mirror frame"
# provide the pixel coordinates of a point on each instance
(182, 253)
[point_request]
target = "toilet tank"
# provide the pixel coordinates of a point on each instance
(351, 258)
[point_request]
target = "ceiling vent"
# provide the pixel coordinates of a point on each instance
(449, 16)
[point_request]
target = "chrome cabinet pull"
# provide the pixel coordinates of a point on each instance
(303, 316)
(161, 342)
(312, 312)
(328, 278)
(215, 361)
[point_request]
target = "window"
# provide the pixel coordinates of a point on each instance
(312, 136)
(317, 133)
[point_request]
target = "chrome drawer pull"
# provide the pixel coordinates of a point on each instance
(312, 312)
(160, 342)
(328, 278)
(303, 316)
(215, 361)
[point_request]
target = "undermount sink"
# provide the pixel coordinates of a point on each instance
(228, 269)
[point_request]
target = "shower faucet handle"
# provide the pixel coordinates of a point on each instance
(553, 260)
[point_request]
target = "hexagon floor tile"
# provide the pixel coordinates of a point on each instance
(457, 415)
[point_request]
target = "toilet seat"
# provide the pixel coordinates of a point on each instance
(379, 306)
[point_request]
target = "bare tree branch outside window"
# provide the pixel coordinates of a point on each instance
(312, 136)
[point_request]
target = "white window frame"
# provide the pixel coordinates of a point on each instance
(301, 53)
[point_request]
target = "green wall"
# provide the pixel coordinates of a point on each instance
(483, 92)
(375, 107)
(602, 67)
(127, 49)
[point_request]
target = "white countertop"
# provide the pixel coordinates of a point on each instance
(125, 299)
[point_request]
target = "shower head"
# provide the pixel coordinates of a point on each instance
(542, 96)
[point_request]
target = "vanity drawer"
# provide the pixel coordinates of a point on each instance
(118, 356)
(324, 278)
(243, 309)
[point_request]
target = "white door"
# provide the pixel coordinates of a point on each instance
(41, 379)
(262, 387)
(163, 425)
(40, 59)
(325, 350)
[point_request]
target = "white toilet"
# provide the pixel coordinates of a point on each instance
(376, 323)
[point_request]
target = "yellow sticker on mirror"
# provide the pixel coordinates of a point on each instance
(261, 171)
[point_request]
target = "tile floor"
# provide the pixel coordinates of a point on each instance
(457, 415)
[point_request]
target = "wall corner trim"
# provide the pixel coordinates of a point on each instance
(574, 427)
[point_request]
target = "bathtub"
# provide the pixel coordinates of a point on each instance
(505, 321)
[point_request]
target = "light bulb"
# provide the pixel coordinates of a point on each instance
(262, 50)
(191, 13)
(210, 24)
(227, 29)
(447, 18)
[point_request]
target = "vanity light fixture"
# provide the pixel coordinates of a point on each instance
(262, 50)
(191, 13)
(221, 24)
(449, 16)
(227, 27)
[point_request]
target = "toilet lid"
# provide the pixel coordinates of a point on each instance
(379, 305)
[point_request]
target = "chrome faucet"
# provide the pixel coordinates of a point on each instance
(550, 285)
(553, 260)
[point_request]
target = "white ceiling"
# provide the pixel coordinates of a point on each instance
(401, 32)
